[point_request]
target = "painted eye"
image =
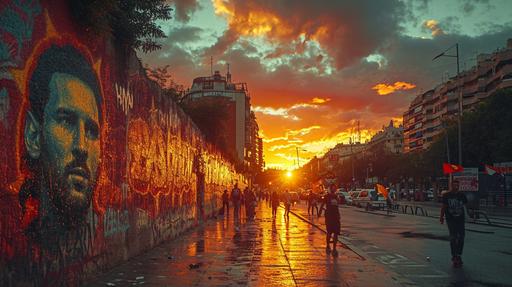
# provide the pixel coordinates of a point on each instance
(92, 130)
(65, 119)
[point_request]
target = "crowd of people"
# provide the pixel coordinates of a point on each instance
(452, 209)
(248, 199)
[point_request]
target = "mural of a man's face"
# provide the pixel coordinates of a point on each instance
(66, 143)
(70, 142)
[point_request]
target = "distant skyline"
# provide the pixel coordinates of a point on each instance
(315, 68)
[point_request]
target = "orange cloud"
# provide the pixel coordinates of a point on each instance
(319, 101)
(385, 89)
(252, 23)
(286, 112)
(433, 26)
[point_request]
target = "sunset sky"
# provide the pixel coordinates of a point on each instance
(315, 68)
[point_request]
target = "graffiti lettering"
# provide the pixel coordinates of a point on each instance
(116, 221)
(142, 219)
(124, 98)
(150, 159)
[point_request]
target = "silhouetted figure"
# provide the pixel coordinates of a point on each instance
(332, 220)
(250, 201)
(287, 203)
(225, 202)
(236, 196)
(453, 209)
(312, 203)
(274, 200)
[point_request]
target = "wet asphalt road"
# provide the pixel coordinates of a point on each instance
(417, 248)
(381, 250)
(263, 252)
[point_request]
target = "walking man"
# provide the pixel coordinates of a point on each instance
(236, 195)
(312, 205)
(287, 204)
(225, 202)
(453, 209)
(274, 200)
(332, 220)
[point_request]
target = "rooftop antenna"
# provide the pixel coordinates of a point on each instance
(228, 75)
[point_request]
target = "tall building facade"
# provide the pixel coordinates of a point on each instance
(241, 129)
(424, 119)
(390, 138)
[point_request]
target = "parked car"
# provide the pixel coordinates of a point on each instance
(346, 197)
(362, 199)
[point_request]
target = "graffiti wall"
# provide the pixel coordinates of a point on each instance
(95, 164)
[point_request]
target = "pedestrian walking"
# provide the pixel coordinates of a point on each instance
(236, 195)
(249, 201)
(274, 200)
(332, 220)
(312, 203)
(453, 210)
(287, 203)
(225, 202)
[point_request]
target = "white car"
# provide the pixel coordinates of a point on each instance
(346, 196)
(362, 199)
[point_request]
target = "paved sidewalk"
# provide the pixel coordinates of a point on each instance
(263, 252)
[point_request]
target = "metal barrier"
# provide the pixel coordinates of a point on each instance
(423, 211)
(475, 214)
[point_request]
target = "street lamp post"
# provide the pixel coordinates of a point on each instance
(459, 117)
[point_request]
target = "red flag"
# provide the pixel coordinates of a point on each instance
(451, 168)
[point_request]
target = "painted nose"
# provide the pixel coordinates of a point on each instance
(80, 147)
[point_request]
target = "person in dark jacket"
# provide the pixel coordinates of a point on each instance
(453, 209)
(332, 220)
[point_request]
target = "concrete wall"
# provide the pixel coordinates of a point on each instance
(95, 165)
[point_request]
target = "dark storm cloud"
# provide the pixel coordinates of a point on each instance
(469, 6)
(184, 9)
(347, 30)
(184, 34)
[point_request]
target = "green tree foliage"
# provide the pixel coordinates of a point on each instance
(487, 131)
(132, 23)
(486, 139)
(163, 77)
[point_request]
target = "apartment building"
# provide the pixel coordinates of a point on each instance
(424, 119)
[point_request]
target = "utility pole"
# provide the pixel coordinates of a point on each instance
(352, 161)
(459, 118)
(298, 163)
(211, 65)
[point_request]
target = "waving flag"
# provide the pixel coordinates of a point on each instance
(382, 190)
(449, 168)
(490, 170)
